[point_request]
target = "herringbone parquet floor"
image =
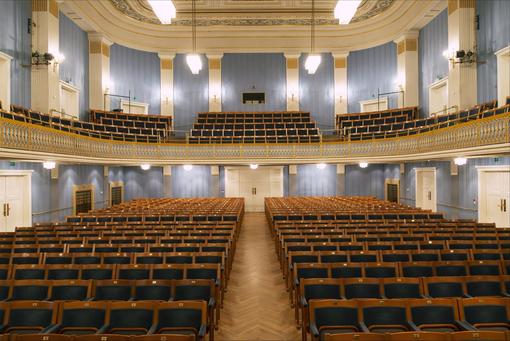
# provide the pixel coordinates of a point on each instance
(256, 305)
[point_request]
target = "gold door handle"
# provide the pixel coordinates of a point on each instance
(5, 210)
(8, 209)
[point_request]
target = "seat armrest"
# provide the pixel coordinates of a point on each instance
(313, 329)
(152, 329)
(465, 325)
(296, 282)
(103, 329)
(364, 327)
(45, 330)
(303, 301)
(413, 326)
(212, 302)
(202, 331)
(53, 329)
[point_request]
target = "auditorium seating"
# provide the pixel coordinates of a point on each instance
(157, 266)
(373, 264)
(254, 127)
(114, 131)
(140, 121)
(377, 125)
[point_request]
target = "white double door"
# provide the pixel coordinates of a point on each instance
(254, 185)
(15, 210)
(494, 197)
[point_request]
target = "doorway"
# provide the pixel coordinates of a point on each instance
(494, 195)
(426, 195)
(392, 190)
(254, 185)
(15, 200)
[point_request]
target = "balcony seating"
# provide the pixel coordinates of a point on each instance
(254, 127)
(365, 126)
(140, 121)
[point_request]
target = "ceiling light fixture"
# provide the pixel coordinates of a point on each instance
(49, 164)
(345, 10)
(363, 164)
(188, 167)
(193, 60)
(460, 161)
(254, 166)
(313, 60)
(320, 166)
(164, 10)
(145, 166)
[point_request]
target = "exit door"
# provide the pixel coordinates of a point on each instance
(426, 194)
(494, 197)
(13, 203)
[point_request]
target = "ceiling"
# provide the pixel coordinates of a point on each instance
(251, 25)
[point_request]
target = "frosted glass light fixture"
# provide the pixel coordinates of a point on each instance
(363, 164)
(187, 167)
(145, 166)
(254, 166)
(460, 161)
(164, 10)
(194, 63)
(320, 166)
(49, 164)
(312, 63)
(345, 10)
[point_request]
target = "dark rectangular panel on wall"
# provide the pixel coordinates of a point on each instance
(74, 45)
(253, 72)
(369, 70)
(138, 72)
(433, 40)
(16, 42)
(317, 91)
(314, 181)
(191, 92)
(493, 35)
(191, 183)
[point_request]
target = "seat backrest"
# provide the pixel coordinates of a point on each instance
(484, 310)
(433, 311)
(153, 290)
(112, 290)
(97, 272)
(334, 313)
(31, 290)
(70, 290)
(181, 315)
(384, 312)
(483, 286)
(402, 288)
(361, 288)
(32, 314)
(131, 315)
(168, 271)
(201, 290)
(444, 286)
(83, 314)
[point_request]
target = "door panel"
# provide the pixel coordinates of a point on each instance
(497, 191)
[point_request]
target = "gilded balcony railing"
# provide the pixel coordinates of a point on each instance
(35, 140)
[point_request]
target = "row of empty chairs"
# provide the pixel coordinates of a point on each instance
(94, 337)
(251, 127)
(119, 118)
(352, 119)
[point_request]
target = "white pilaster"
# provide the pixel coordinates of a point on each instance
(214, 82)
(167, 84)
(407, 69)
(292, 81)
(462, 90)
(5, 80)
(503, 64)
(340, 60)
(99, 71)
(45, 93)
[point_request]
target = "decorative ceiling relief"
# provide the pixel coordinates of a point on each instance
(250, 13)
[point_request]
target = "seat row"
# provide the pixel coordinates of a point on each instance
(98, 337)
(381, 316)
(97, 115)
(409, 113)
(256, 139)
(241, 133)
(123, 318)
(134, 124)
(251, 126)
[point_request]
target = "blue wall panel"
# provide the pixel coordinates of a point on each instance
(191, 92)
(16, 42)
(193, 183)
(493, 35)
(317, 91)
(74, 45)
(253, 72)
(314, 181)
(369, 70)
(433, 40)
(138, 72)
(143, 184)
(365, 181)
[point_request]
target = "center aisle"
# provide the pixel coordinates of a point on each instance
(256, 305)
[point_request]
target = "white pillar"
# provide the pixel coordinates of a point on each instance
(5, 80)
(503, 64)
(407, 69)
(214, 82)
(461, 36)
(99, 71)
(167, 84)
(45, 39)
(292, 69)
(340, 83)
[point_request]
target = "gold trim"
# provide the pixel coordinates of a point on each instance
(411, 45)
(467, 3)
(39, 5)
(215, 64)
(340, 63)
(95, 47)
(400, 47)
(105, 50)
(452, 6)
(167, 64)
(54, 8)
(292, 63)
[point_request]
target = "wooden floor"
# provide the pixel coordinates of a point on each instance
(256, 305)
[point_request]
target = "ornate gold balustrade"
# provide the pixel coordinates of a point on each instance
(484, 137)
